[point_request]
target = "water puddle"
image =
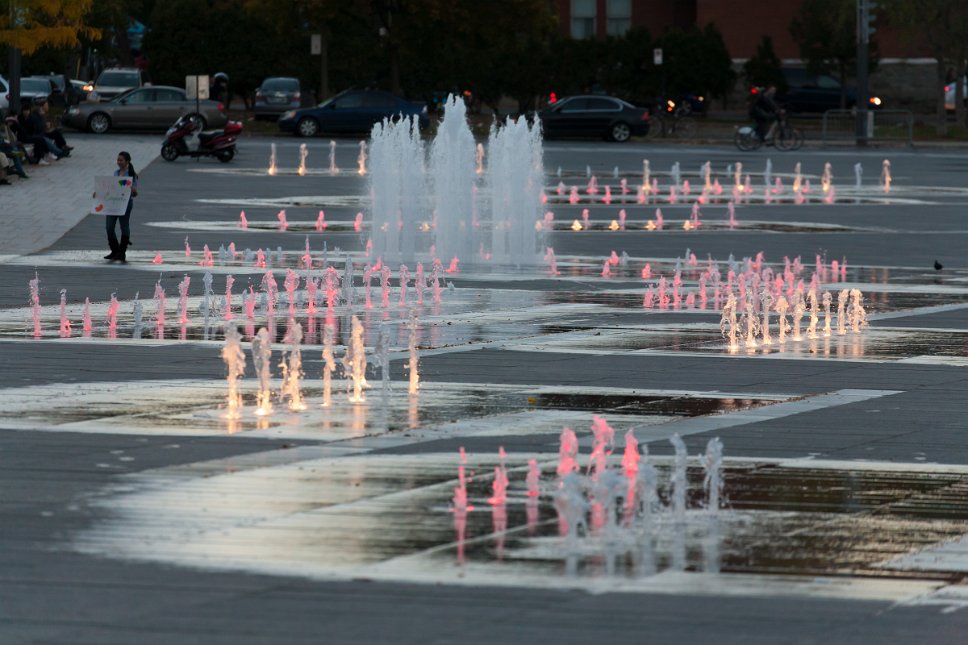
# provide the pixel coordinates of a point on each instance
(789, 522)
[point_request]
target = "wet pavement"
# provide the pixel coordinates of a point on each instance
(844, 470)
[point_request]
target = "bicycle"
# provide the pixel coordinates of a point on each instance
(672, 121)
(781, 134)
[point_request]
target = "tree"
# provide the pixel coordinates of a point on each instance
(764, 67)
(942, 27)
(28, 25)
(826, 31)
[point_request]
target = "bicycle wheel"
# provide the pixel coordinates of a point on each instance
(746, 139)
(656, 128)
(789, 139)
(685, 127)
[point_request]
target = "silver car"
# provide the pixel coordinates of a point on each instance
(146, 108)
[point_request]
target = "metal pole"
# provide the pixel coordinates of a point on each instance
(862, 91)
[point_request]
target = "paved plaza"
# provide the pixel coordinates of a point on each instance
(133, 510)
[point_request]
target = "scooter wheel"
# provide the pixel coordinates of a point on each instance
(169, 152)
(226, 155)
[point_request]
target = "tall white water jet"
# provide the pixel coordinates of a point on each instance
(886, 176)
(227, 309)
(271, 170)
(679, 492)
(183, 300)
(857, 314)
(234, 359)
(86, 324)
(112, 316)
(713, 481)
(398, 185)
(515, 181)
(34, 286)
(361, 160)
(303, 153)
(329, 365)
(452, 178)
(842, 299)
(766, 303)
(814, 314)
(160, 308)
(768, 172)
(728, 324)
(826, 178)
(827, 300)
(414, 328)
(262, 360)
(292, 372)
(332, 158)
(781, 309)
(354, 362)
(858, 175)
(678, 475)
(137, 313)
(797, 178)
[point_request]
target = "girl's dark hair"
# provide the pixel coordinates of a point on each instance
(127, 157)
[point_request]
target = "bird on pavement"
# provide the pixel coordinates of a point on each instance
(938, 266)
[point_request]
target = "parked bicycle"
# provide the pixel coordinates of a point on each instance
(781, 135)
(669, 120)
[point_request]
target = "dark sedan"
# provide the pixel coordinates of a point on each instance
(594, 116)
(353, 111)
(155, 107)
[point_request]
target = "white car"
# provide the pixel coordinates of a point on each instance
(949, 95)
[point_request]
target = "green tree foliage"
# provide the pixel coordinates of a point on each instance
(764, 67)
(826, 32)
(696, 61)
(31, 24)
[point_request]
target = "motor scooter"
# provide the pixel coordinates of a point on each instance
(186, 139)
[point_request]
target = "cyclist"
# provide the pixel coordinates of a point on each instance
(765, 111)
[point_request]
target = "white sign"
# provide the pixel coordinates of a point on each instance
(657, 55)
(196, 86)
(316, 44)
(111, 195)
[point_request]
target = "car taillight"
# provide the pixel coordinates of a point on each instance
(947, 88)
(645, 115)
(221, 108)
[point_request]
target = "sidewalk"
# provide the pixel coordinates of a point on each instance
(36, 212)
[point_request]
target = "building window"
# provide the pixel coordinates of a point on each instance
(619, 19)
(583, 18)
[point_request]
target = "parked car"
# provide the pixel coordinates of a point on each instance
(35, 88)
(82, 89)
(949, 95)
(276, 95)
(116, 81)
(808, 92)
(594, 116)
(155, 107)
(352, 111)
(4, 95)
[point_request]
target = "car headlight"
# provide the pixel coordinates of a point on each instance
(875, 100)
(287, 115)
(73, 111)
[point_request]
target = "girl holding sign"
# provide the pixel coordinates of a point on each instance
(125, 169)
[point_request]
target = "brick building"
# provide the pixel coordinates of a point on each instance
(904, 73)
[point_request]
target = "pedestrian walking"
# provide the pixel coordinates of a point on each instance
(118, 249)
